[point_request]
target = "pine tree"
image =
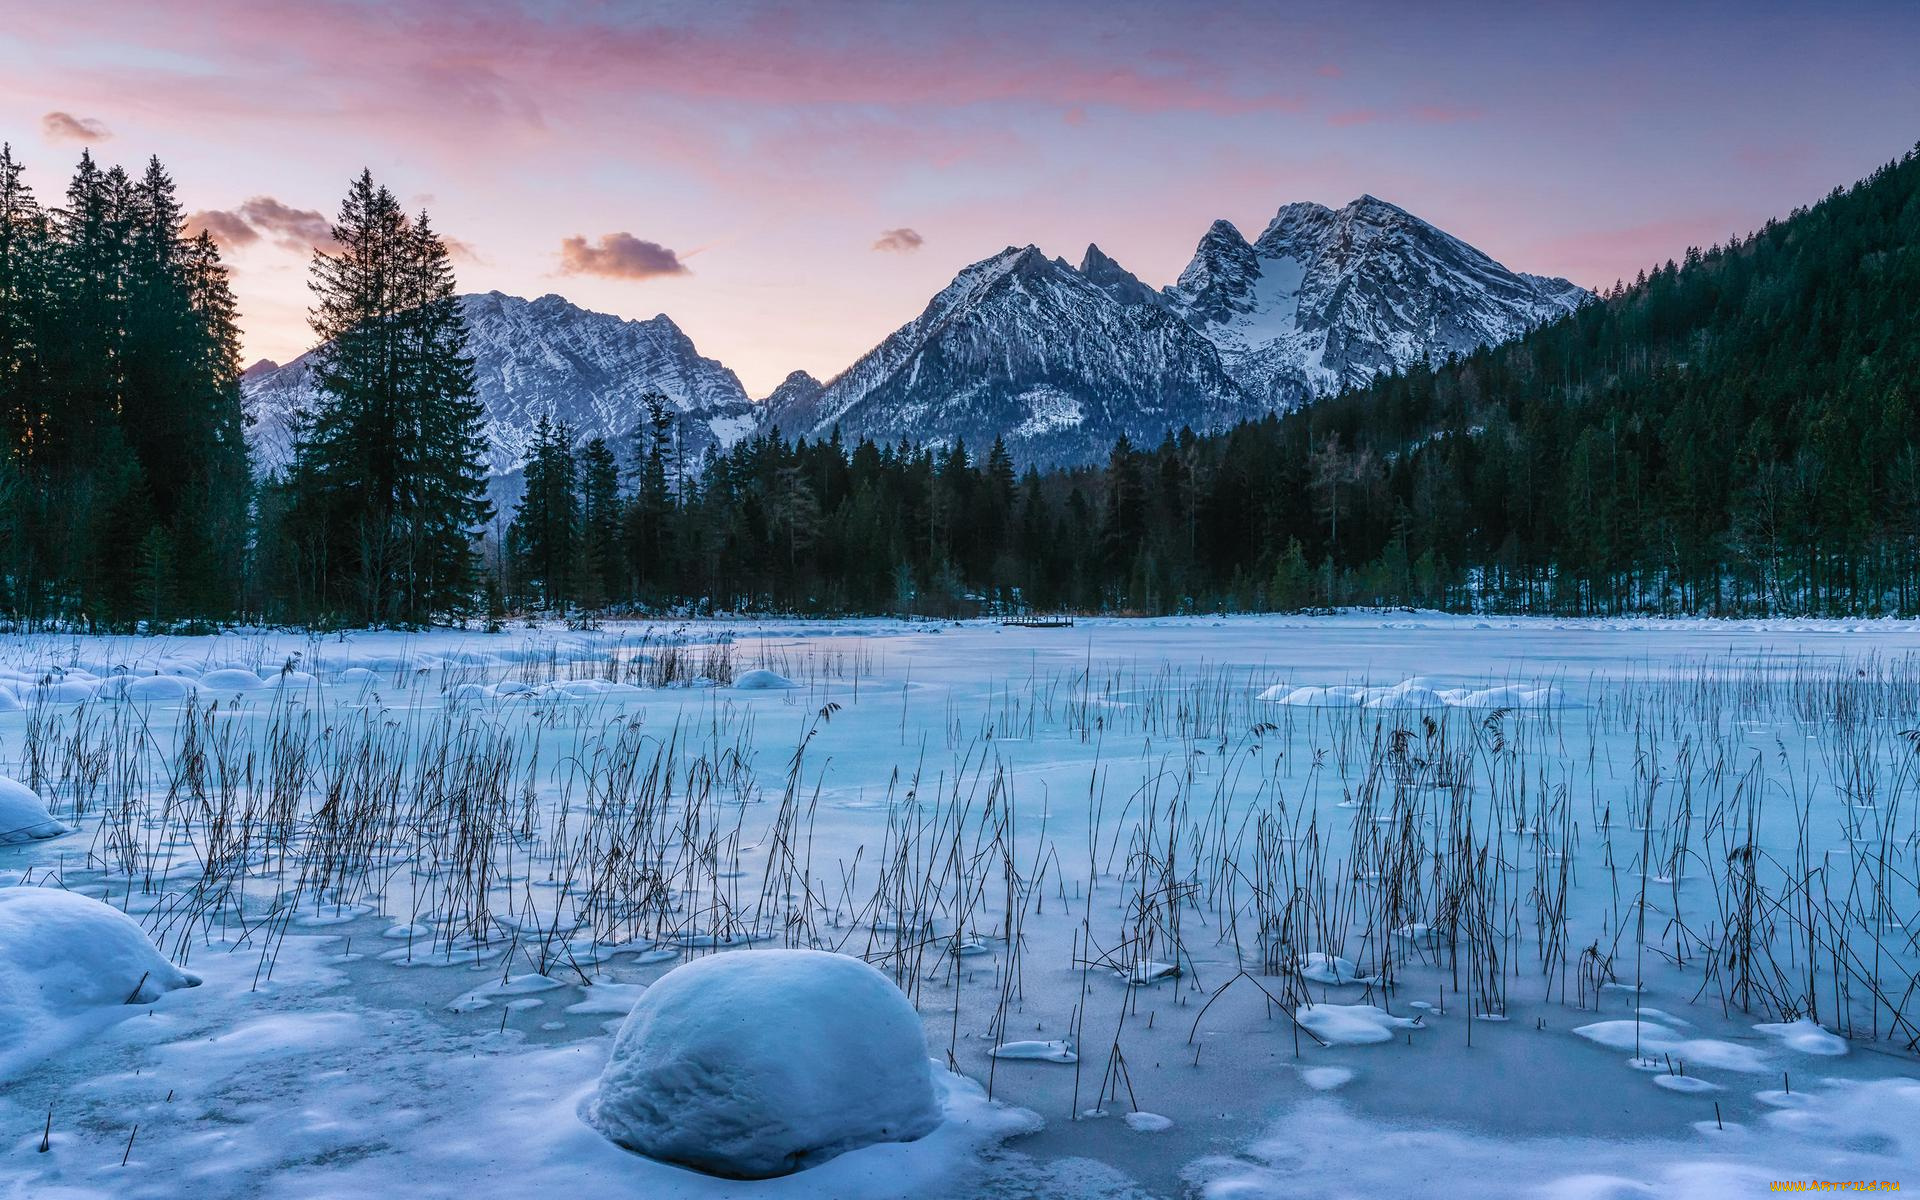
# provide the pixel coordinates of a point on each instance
(544, 537)
(648, 516)
(388, 494)
(602, 572)
(26, 311)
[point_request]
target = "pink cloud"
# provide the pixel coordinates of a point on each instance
(65, 127)
(496, 63)
(295, 229)
(899, 241)
(229, 230)
(618, 256)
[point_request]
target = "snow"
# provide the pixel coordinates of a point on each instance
(159, 687)
(63, 954)
(1353, 1024)
(1330, 969)
(1416, 694)
(1060, 1050)
(1655, 1037)
(1324, 1148)
(760, 680)
(368, 1026)
(765, 1062)
(1806, 1036)
(24, 816)
(232, 679)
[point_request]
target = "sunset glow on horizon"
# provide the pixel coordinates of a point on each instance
(791, 182)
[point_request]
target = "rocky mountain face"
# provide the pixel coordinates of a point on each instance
(1060, 359)
(789, 409)
(1056, 358)
(1326, 299)
(546, 357)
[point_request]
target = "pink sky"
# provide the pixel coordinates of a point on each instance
(791, 182)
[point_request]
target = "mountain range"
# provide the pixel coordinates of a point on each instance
(1058, 358)
(545, 357)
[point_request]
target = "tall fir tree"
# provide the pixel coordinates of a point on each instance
(544, 539)
(387, 494)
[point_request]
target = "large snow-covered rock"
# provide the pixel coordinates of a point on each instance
(24, 816)
(763, 1062)
(62, 953)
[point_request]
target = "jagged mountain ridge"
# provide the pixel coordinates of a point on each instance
(1032, 349)
(546, 357)
(1327, 299)
(1058, 359)
(1061, 359)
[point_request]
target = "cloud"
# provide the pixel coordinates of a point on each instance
(65, 127)
(295, 229)
(618, 256)
(899, 241)
(229, 230)
(462, 251)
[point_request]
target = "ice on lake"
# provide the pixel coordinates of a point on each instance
(1350, 903)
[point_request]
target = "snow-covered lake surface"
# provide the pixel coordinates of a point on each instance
(1371, 904)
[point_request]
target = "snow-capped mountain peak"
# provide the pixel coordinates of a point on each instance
(1325, 299)
(1057, 360)
(546, 357)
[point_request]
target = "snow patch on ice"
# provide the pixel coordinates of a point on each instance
(1353, 1024)
(1807, 1037)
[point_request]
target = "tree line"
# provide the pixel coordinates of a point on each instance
(124, 490)
(1734, 433)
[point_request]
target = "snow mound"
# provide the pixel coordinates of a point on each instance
(1326, 1079)
(1061, 1051)
(62, 953)
(1352, 1024)
(24, 816)
(1803, 1035)
(232, 679)
(1655, 1042)
(760, 1063)
(1330, 969)
(759, 680)
(1410, 694)
(159, 687)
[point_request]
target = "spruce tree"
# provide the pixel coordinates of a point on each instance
(601, 572)
(387, 490)
(544, 537)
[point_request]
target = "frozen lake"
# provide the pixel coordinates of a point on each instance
(1399, 904)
